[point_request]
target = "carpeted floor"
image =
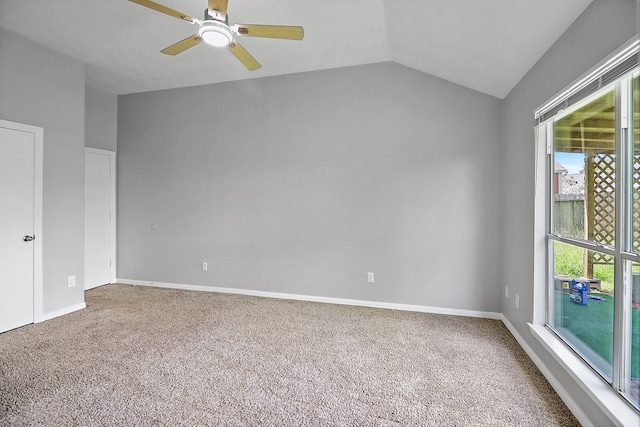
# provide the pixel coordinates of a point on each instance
(142, 356)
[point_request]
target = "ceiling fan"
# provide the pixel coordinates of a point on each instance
(215, 30)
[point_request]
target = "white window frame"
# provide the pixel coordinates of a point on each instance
(606, 396)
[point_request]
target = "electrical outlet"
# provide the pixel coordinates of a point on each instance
(517, 301)
(204, 266)
(71, 281)
(506, 292)
(370, 277)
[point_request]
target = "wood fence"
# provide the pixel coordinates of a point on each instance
(569, 214)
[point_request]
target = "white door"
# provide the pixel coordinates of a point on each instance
(17, 225)
(98, 208)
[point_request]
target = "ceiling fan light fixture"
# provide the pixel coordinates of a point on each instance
(215, 33)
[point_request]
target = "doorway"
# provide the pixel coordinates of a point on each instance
(21, 154)
(99, 217)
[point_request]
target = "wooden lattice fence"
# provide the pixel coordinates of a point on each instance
(600, 205)
(636, 203)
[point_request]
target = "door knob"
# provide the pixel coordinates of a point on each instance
(28, 238)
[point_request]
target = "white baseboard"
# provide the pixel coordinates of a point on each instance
(557, 386)
(58, 313)
(330, 300)
(87, 288)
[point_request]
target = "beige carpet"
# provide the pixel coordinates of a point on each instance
(142, 356)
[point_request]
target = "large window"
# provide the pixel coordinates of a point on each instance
(593, 225)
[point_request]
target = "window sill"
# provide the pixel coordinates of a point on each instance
(608, 400)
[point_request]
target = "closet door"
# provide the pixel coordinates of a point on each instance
(98, 217)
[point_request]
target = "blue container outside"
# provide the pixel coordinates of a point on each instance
(578, 292)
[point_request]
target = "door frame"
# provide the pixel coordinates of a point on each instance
(38, 152)
(113, 185)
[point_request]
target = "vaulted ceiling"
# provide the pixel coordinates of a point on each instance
(486, 45)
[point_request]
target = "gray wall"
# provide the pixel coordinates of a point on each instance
(303, 183)
(43, 88)
(101, 119)
(603, 27)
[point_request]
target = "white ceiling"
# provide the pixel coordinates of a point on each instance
(486, 45)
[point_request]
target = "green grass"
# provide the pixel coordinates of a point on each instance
(568, 261)
(593, 325)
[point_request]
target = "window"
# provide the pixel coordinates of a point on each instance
(592, 223)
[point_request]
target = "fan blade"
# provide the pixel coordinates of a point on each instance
(182, 45)
(219, 6)
(272, 31)
(243, 56)
(165, 10)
